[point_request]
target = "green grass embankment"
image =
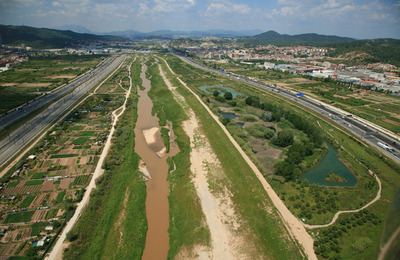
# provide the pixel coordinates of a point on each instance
(187, 221)
(114, 224)
(249, 197)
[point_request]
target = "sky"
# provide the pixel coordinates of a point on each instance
(361, 19)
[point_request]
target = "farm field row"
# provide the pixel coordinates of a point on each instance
(39, 75)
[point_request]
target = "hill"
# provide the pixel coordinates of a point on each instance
(272, 37)
(369, 51)
(42, 38)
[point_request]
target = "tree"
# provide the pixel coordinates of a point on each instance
(284, 138)
(285, 169)
(228, 95)
(253, 101)
(267, 116)
(225, 121)
(269, 133)
(71, 236)
(216, 93)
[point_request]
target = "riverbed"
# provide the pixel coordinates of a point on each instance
(149, 146)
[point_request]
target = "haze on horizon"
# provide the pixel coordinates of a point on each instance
(362, 19)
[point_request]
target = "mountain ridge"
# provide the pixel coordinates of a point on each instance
(273, 37)
(44, 38)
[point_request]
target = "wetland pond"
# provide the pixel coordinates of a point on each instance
(330, 164)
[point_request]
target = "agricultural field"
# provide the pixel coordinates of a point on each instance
(256, 121)
(39, 75)
(43, 192)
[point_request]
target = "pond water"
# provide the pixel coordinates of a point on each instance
(234, 93)
(329, 163)
(231, 116)
(240, 124)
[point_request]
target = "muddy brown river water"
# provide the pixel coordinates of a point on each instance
(148, 142)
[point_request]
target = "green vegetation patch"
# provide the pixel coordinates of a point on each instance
(81, 180)
(88, 133)
(81, 140)
(52, 213)
(82, 147)
(38, 175)
(12, 184)
(60, 197)
(37, 228)
(165, 137)
(77, 128)
(27, 201)
(33, 182)
(258, 130)
(248, 118)
(23, 216)
(335, 178)
(56, 156)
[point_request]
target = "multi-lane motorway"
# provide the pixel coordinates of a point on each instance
(63, 99)
(369, 132)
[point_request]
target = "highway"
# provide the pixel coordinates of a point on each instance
(369, 132)
(26, 109)
(70, 94)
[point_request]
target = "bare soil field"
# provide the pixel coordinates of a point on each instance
(9, 84)
(42, 84)
(53, 196)
(48, 186)
(38, 200)
(11, 236)
(68, 161)
(84, 160)
(60, 212)
(39, 215)
(21, 190)
(9, 249)
(64, 184)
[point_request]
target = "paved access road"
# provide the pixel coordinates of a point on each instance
(66, 98)
(359, 127)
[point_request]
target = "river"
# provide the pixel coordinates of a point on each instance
(148, 143)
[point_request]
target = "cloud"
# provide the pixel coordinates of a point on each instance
(226, 7)
(167, 6)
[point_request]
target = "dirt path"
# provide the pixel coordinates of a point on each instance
(386, 248)
(294, 225)
(58, 248)
(378, 196)
(218, 210)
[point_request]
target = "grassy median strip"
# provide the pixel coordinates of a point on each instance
(250, 199)
(98, 234)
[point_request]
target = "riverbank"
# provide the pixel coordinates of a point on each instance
(244, 201)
